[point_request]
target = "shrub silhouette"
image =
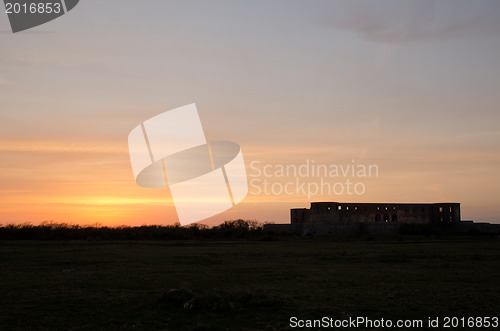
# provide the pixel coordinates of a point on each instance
(63, 231)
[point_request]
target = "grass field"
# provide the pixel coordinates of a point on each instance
(145, 285)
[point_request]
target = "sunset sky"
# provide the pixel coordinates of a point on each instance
(412, 87)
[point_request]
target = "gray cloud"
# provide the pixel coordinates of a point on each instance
(405, 21)
(4, 81)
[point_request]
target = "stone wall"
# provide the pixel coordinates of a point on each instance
(377, 213)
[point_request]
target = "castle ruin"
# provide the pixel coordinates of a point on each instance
(336, 212)
(336, 218)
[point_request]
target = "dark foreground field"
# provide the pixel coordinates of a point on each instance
(241, 285)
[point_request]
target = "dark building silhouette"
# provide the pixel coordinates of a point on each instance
(336, 218)
(336, 212)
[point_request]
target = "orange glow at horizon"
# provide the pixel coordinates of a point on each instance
(79, 183)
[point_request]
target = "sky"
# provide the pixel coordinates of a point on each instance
(411, 87)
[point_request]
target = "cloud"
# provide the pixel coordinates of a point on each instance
(4, 81)
(407, 21)
(59, 147)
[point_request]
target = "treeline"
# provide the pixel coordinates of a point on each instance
(235, 229)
